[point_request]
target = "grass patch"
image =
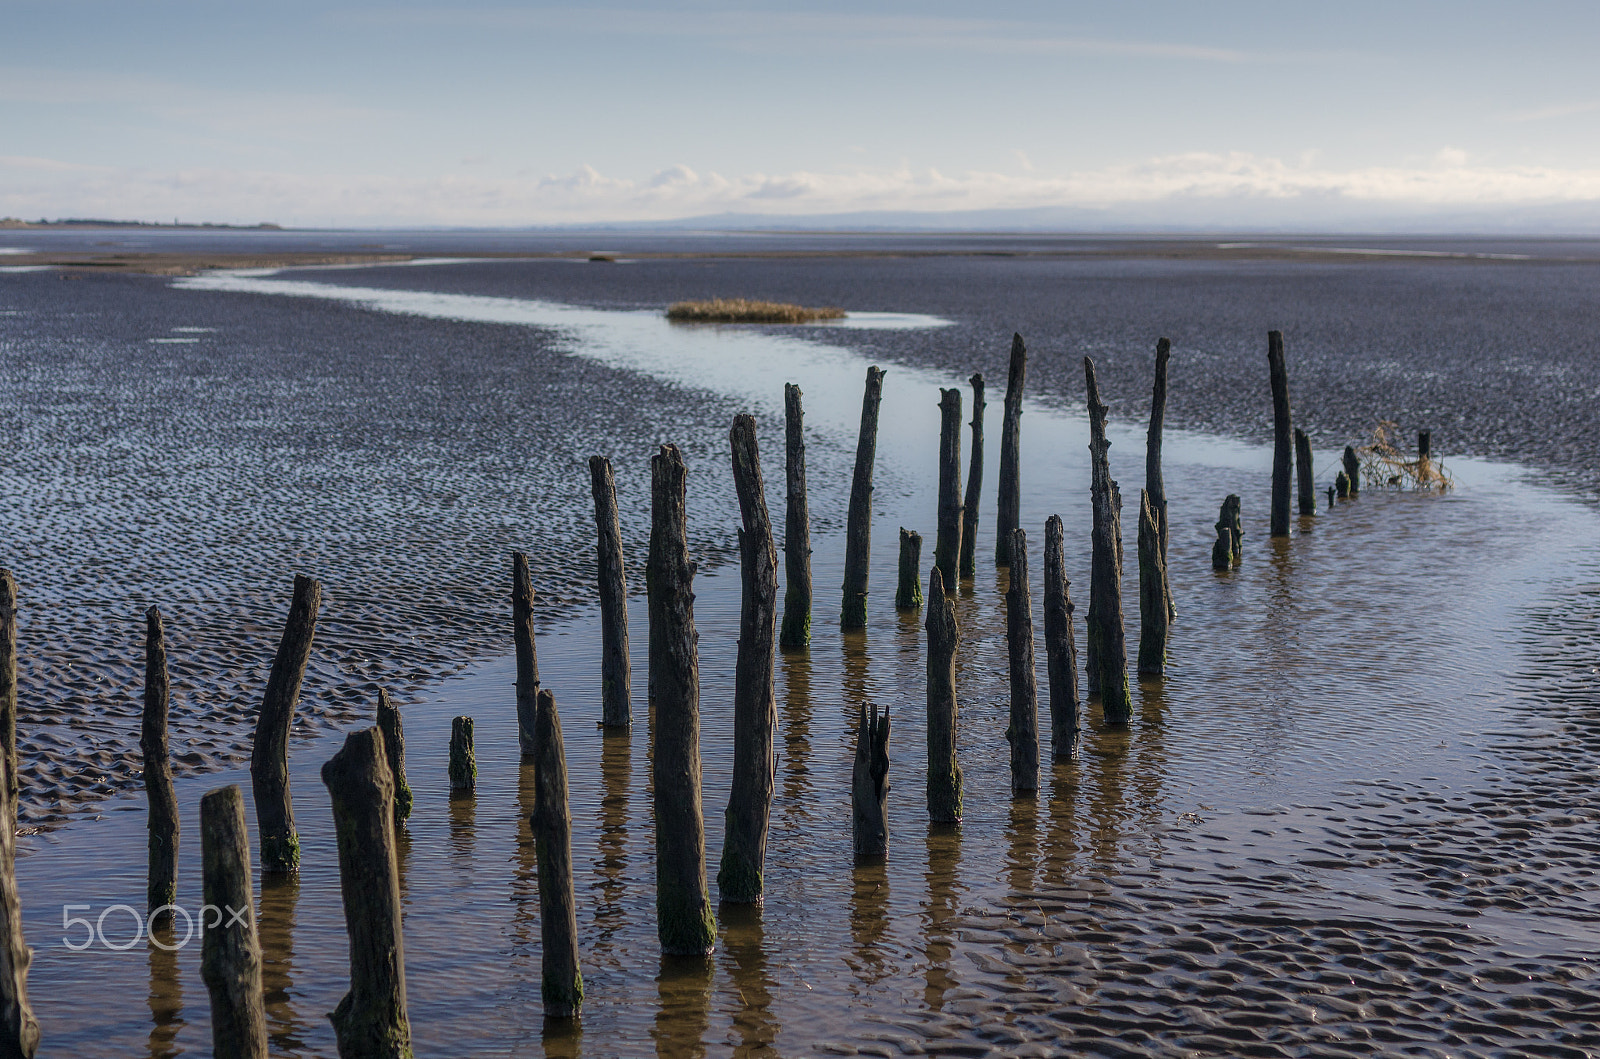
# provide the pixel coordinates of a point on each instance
(744, 311)
(1383, 463)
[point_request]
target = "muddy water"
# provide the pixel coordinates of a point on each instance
(1357, 817)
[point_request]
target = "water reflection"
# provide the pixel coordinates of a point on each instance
(744, 939)
(611, 847)
(525, 874)
(1106, 773)
(464, 827)
(1022, 844)
(795, 666)
(280, 896)
(944, 858)
(683, 1011)
(869, 919)
(166, 988)
(562, 1038)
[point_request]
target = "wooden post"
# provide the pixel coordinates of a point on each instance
(944, 775)
(1341, 485)
(1023, 731)
(1108, 649)
(551, 823)
(463, 759)
(1010, 487)
(269, 758)
(796, 628)
(1222, 550)
(858, 527)
(616, 674)
(755, 706)
(969, 507)
(394, 745)
(1352, 467)
(162, 886)
(908, 596)
(1060, 646)
(1154, 483)
(1230, 506)
(684, 920)
(1282, 434)
(230, 950)
(1424, 445)
(1153, 612)
(19, 1030)
(947, 544)
(527, 653)
(8, 695)
(370, 1022)
(1302, 472)
(869, 782)
(1332, 492)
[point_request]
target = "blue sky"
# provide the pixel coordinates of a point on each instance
(399, 113)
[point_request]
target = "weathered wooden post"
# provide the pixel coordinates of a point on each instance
(858, 526)
(1231, 505)
(1060, 647)
(869, 783)
(394, 746)
(1352, 468)
(1153, 611)
(230, 951)
(908, 596)
(1108, 649)
(1341, 485)
(616, 673)
(552, 835)
(1023, 731)
(755, 706)
(8, 694)
(1222, 550)
(269, 757)
(684, 920)
(1009, 490)
(1332, 492)
(944, 775)
(1302, 473)
(969, 507)
(162, 885)
(19, 1030)
(1424, 445)
(527, 652)
(947, 544)
(796, 628)
(463, 758)
(1154, 483)
(1282, 434)
(370, 1022)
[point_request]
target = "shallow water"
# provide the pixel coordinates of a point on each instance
(1356, 818)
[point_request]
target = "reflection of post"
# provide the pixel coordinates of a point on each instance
(796, 718)
(683, 1011)
(944, 856)
(1060, 853)
(869, 918)
(746, 943)
(524, 877)
(280, 897)
(1022, 845)
(611, 867)
(463, 826)
(1108, 792)
(166, 991)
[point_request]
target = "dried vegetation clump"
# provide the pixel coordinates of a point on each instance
(743, 311)
(1384, 464)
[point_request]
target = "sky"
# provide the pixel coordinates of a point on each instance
(1222, 114)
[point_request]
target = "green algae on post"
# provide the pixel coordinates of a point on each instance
(747, 311)
(463, 760)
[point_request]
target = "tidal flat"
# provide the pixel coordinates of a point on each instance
(1355, 818)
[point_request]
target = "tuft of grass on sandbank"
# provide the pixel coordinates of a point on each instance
(744, 311)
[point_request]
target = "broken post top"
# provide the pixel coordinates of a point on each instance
(747, 478)
(1097, 428)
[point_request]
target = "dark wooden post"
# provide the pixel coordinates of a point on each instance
(552, 835)
(616, 674)
(1303, 474)
(1222, 550)
(684, 920)
(8, 693)
(1424, 445)
(19, 1030)
(1282, 434)
(1108, 649)
(1231, 505)
(527, 652)
(1023, 731)
(944, 775)
(869, 783)
(394, 745)
(1009, 489)
(463, 758)
(1332, 492)
(908, 596)
(230, 951)
(858, 527)
(1352, 467)
(969, 507)
(162, 887)
(796, 628)
(1153, 612)
(1154, 483)
(947, 544)
(1060, 646)
(370, 1021)
(755, 706)
(1341, 485)
(269, 758)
